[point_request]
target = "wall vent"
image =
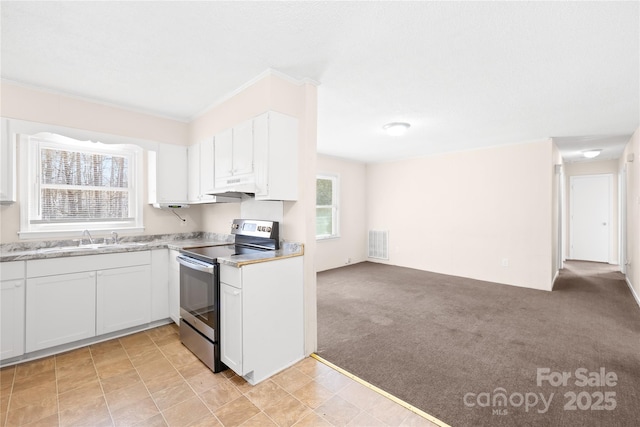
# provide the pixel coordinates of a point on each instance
(378, 244)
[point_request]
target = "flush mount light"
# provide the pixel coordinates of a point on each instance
(396, 128)
(590, 154)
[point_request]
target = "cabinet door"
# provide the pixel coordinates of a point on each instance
(223, 159)
(231, 327)
(159, 284)
(171, 174)
(243, 148)
(7, 164)
(273, 320)
(60, 309)
(123, 298)
(12, 318)
(261, 154)
(276, 156)
(174, 287)
(193, 173)
(207, 176)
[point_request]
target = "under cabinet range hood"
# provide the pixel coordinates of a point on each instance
(248, 189)
(239, 184)
(215, 198)
(170, 205)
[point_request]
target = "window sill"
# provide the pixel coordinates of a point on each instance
(332, 237)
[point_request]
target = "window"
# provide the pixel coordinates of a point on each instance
(76, 185)
(327, 206)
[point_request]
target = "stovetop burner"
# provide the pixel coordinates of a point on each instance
(251, 236)
(211, 254)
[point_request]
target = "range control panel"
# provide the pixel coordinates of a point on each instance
(255, 228)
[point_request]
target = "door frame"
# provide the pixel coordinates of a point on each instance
(622, 224)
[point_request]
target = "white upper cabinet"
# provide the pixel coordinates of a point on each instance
(259, 156)
(243, 148)
(200, 173)
(168, 174)
(223, 159)
(233, 155)
(193, 173)
(276, 156)
(207, 176)
(7, 164)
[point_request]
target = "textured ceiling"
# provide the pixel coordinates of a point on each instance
(464, 74)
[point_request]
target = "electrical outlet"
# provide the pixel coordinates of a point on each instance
(505, 262)
(348, 261)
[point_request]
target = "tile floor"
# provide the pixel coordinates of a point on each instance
(151, 379)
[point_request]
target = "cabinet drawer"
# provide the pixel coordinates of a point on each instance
(77, 264)
(12, 270)
(231, 275)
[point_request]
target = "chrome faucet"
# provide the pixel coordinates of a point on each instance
(86, 233)
(114, 237)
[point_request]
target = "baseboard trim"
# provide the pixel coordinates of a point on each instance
(555, 277)
(633, 291)
(382, 392)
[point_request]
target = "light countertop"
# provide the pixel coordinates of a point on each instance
(24, 251)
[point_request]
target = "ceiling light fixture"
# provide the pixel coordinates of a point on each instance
(396, 128)
(590, 154)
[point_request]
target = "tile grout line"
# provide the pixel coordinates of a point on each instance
(142, 381)
(189, 384)
(13, 381)
(313, 410)
(378, 390)
(55, 371)
(104, 396)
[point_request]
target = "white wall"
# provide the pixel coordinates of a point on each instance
(464, 213)
(351, 245)
(610, 167)
(19, 102)
(632, 170)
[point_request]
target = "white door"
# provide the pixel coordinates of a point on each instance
(590, 225)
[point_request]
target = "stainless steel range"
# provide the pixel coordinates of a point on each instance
(200, 286)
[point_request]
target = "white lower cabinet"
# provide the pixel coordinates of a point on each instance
(174, 287)
(73, 298)
(123, 298)
(60, 309)
(11, 309)
(261, 317)
(231, 327)
(159, 284)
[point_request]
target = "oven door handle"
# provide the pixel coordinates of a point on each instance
(195, 265)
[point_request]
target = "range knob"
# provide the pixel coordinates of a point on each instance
(268, 229)
(260, 228)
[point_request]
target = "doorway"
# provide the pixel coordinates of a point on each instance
(590, 224)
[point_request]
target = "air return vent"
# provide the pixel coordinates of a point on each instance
(379, 244)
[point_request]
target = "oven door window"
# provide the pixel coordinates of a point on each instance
(198, 294)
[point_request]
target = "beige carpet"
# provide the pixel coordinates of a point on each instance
(454, 347)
